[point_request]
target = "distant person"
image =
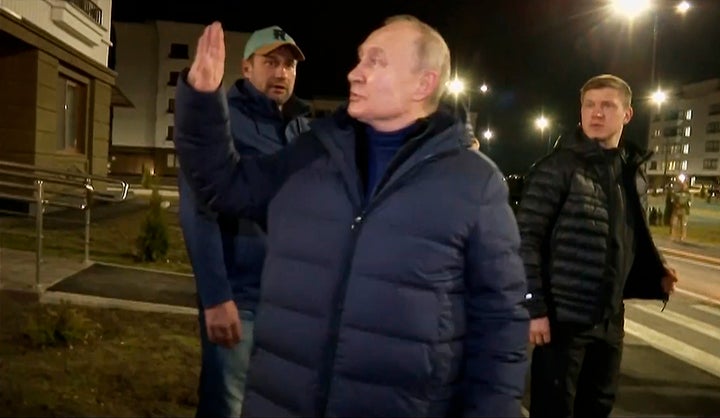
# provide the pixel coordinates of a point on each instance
(226, 252)
(393, 285)
(586, 247)
(681, 201)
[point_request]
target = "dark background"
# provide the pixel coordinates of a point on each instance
(534, 54)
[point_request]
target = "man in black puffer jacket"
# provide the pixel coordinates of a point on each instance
(586, 247)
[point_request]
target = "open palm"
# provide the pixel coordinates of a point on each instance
(208, 67)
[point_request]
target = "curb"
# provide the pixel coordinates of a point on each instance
(111, 303)
(691, 256)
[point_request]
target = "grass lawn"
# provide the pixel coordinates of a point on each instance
(58, 360)
(703, 223)
(698, 233)
(112, 239)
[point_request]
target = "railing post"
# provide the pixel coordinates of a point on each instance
(88, 205)
(39, 210)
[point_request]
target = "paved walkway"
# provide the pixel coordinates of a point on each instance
(116, 286)
(97, 284)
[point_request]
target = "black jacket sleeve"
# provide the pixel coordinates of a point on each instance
(544, 194)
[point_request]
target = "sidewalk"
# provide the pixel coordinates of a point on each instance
(97, 284)
(706, 253)
(126, 287)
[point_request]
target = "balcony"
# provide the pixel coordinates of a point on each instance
(82, 19)
(90, 9)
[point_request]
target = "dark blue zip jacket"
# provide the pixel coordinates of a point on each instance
(227, 252)
(409, 306)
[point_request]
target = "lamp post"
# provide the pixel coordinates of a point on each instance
(658, 98)
(488, 135)
(632, 9)
(542, 123)
(457, 87)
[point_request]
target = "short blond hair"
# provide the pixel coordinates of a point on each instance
(432, 51)
(608, 81)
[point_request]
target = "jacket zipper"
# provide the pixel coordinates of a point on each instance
(356, 227)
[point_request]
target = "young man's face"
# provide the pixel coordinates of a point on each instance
(384, 84)
(604, 114)
(273, 74)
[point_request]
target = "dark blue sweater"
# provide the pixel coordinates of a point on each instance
(382, 147)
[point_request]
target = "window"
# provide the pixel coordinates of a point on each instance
(657, 133)
(71, 115)
(171, 106)
(173, 78)
(686, 131)
(688, 114)
(672, 131)
(710, 164)
(179, 51)
(712, 146)
(713, 127)
(714, 109)
(672, 114)
(683, 166)
(686, 149)
(172, 160)
(653, 165)
(170, 133)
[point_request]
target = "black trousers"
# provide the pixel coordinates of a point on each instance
(576, 375)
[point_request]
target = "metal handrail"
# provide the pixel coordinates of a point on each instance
(20, 179)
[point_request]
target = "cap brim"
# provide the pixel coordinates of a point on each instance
(266, 49)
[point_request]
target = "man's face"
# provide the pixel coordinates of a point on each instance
(604, 114)
(272, 74)
(384, 83)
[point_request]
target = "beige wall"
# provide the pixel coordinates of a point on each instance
(29, 119)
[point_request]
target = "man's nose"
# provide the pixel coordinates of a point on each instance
(282, 71)
(354, 74)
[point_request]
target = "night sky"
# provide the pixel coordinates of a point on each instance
(534, 54)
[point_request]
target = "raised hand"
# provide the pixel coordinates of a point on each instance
(208, 67)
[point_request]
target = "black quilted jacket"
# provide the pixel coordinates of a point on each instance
(566, 221)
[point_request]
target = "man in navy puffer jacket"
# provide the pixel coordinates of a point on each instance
(227, 252)
(392, 284)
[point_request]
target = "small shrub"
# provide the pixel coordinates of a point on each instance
(59, 326)
(149, 180)
(153, 242)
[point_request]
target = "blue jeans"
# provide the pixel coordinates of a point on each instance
(223, 371)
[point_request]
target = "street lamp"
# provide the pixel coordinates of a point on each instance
(631, 9)
(658, 97)
(683, 7)
(488, 134)
(542, 123)
(456, 86)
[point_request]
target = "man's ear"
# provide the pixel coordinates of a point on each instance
(427, 85)
(628, 115)
(246, 67)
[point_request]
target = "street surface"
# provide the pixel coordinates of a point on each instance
(671, 361)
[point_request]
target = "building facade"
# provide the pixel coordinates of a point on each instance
(149, 58)
(685, 136)
(57, 89)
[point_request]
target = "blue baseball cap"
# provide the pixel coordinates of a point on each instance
(266, 40)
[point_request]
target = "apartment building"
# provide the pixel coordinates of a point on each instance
(149, 58)
(685, 136)
(57, 89)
